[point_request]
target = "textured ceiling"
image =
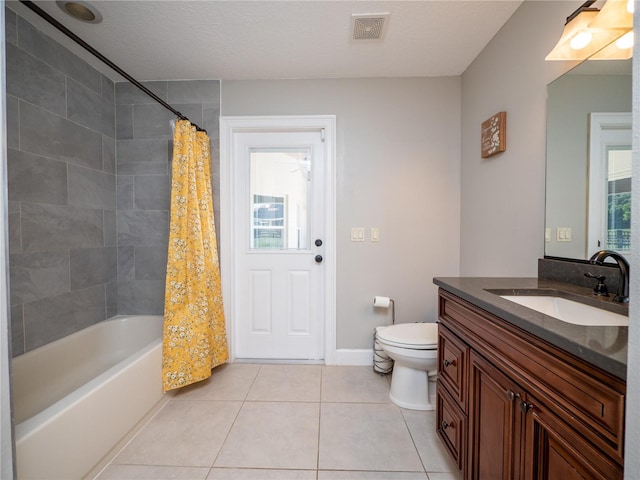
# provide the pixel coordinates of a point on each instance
(237, 39)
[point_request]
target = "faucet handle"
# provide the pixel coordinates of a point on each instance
(600, 289)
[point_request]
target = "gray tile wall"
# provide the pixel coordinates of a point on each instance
(144, 150)
(86, 244)
(62, 189)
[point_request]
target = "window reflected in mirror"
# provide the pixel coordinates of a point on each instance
(618, 232)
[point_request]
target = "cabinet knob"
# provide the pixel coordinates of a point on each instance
(525, 407)
(448, 363)
(444, 425)
(511, 395)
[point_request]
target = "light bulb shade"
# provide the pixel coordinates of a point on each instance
(605, 27)
(581, 40)
(621, 49)
(625, 41)
(574, 28)
(613, 15)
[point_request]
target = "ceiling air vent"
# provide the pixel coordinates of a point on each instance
(369, 26)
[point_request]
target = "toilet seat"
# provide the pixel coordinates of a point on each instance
(415, 336)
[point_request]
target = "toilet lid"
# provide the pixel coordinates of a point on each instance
(412, 335)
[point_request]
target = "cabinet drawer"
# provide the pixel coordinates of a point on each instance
(451, 426)
(453, 356)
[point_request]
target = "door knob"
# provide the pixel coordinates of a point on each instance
(318, 243)
(318, 258)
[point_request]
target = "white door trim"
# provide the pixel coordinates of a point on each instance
(601, 125)
(229, 126)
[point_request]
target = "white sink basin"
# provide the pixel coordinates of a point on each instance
(569, 311)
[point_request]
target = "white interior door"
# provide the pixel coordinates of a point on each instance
(278, 184)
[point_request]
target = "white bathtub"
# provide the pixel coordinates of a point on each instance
(76, 398)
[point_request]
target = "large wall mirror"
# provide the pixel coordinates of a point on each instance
(588, 183)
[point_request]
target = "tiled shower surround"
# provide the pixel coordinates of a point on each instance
(89, 187)
(144, 146)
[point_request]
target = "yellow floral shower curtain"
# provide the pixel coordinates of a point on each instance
(194, 329)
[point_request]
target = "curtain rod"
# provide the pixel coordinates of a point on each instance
(33, 7)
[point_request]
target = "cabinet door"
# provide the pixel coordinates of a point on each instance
(495, 423)
(552, 450)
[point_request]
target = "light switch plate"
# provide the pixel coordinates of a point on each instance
(357, 234)
(564, 234)
(375, 234)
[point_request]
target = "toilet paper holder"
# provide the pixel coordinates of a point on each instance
(386, 302)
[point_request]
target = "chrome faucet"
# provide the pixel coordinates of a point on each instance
(622, 296)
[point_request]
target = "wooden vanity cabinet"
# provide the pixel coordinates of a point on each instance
(531, 411)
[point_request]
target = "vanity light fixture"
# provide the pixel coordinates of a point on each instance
(598, 34)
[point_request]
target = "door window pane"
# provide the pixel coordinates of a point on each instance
(619, 199)
(279, 198)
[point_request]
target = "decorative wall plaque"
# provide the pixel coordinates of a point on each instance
(494, 135)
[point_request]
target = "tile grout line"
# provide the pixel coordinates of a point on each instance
(319, 422)
(235, 419)
(404, 419)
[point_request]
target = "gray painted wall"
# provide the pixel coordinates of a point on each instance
(398, 170)
(503, 197)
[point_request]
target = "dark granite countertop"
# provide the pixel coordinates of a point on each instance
(605, 347)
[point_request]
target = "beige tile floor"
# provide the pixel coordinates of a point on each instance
(289, 422)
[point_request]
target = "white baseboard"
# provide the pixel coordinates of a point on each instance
(342, 356)
(354, 357)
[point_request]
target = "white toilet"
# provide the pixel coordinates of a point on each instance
(414, 349)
